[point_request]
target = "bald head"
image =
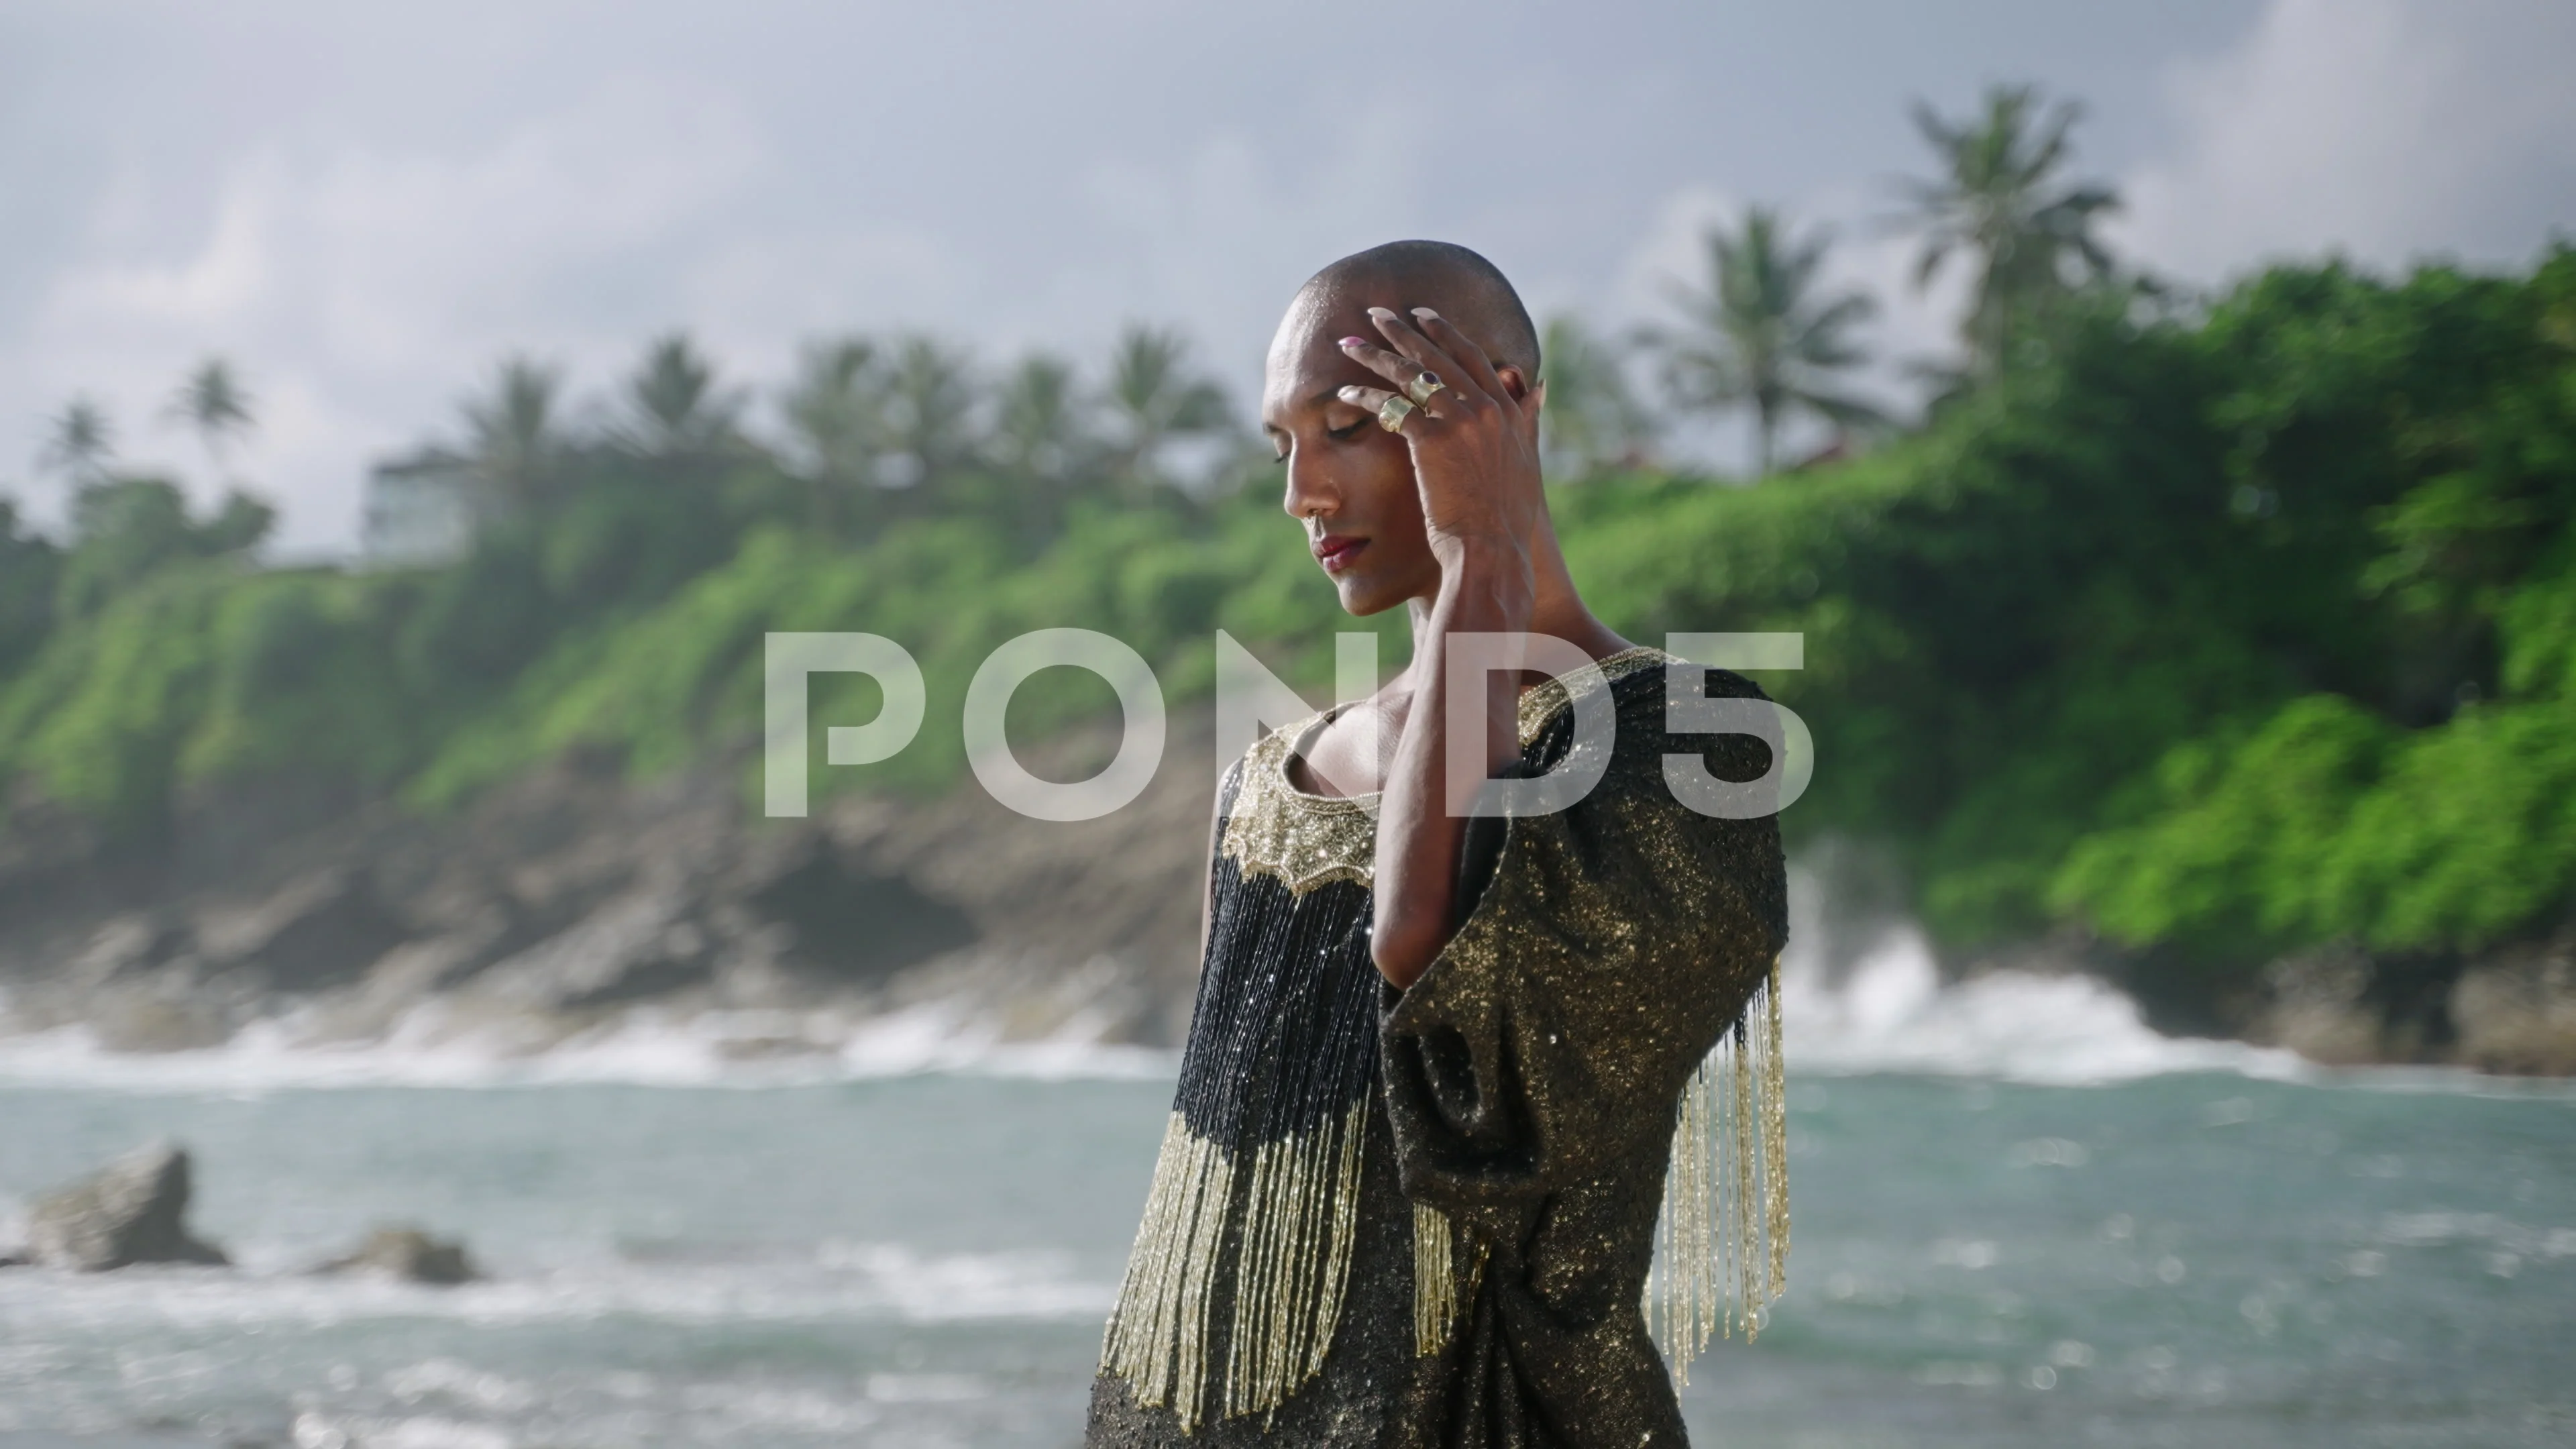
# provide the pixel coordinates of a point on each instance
(1443, 276)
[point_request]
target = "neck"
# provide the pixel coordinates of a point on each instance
(1555, 608)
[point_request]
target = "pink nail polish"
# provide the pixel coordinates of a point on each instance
(1355, 342)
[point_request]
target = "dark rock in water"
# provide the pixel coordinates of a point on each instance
(134, 1210)
(14, 1260)
(408, 1254)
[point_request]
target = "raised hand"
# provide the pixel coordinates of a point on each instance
(1473, 436)
(1472, 432)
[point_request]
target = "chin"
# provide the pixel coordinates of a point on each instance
(1363, 597)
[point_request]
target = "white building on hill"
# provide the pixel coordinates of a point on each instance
(420, 509)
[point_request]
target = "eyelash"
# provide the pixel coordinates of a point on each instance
(1338, 435)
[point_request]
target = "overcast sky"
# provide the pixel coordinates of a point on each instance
(365, 206)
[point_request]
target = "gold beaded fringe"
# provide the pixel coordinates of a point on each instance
(1298, 1221)
(1299, 1224)
(1437, 1277)
(1435, 1280)
(1722, 1245)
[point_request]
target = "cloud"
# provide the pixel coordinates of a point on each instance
(366, 219)
(360, 285)
(2384, 129)
(1222, 235)
(2387, 131)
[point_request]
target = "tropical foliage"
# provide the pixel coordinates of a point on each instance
(1999, 202)
(214, 405)
(2212, 633)
(1761, 337)
(1593, 421)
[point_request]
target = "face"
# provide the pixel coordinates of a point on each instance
(1350, 482)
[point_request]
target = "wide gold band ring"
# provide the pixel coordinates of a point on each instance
(1423, 386)
(1392, 413)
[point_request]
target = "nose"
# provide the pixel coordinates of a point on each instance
(1310, 491)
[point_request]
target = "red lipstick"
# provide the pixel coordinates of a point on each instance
(1336, 550)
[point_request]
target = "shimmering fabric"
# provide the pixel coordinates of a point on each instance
(1486, 1255)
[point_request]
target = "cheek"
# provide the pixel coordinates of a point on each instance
(1386, 478)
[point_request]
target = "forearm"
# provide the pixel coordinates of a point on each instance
(1483, 590)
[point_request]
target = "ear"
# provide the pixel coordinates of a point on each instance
(1532, 396)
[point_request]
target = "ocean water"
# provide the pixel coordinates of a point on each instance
(2020, 1220)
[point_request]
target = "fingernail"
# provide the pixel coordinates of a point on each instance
(1383, 314)
(1348, 392)
(1355, 342)
(1426, 314)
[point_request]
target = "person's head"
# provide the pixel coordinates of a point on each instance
(1350, 482)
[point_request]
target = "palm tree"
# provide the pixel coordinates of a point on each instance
(1762, 337)
(673, 407)
(1998, 199)
(511, 434)
(1154, 400)
(930, 411)
(1038, 427)
(211, 400)
(1042, 443)
(835, 413)
(1593, 419)
(79, 441)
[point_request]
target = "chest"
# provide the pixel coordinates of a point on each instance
(1350, 750)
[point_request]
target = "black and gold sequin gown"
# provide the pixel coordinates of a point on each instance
(1432, 1217)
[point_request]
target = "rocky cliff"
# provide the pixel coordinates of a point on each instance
(558, 905)
(548, 908)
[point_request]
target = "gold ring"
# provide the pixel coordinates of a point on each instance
(1392, 413)
(1422, 387)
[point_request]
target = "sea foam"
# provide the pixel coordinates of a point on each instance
(836, 1282)
(1890, 1011)
(1882, 1008)
(644, 1047)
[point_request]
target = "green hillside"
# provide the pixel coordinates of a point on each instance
(2219, 633)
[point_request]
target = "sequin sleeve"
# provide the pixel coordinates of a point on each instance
(1613, 943)
(1535, 1079)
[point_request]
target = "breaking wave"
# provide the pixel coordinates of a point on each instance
(1890, 1011)
(1860, 995)
(836, 1282)
(643, 1048)
(1885, 1010)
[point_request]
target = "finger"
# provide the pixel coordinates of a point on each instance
(1375, 399)
(1428, 355)
(1399, 369)
(1472, 362)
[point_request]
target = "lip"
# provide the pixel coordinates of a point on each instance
(1336, 550)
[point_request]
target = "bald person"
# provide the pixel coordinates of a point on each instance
(1444, 1036)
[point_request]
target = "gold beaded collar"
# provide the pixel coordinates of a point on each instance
(1306, 840)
